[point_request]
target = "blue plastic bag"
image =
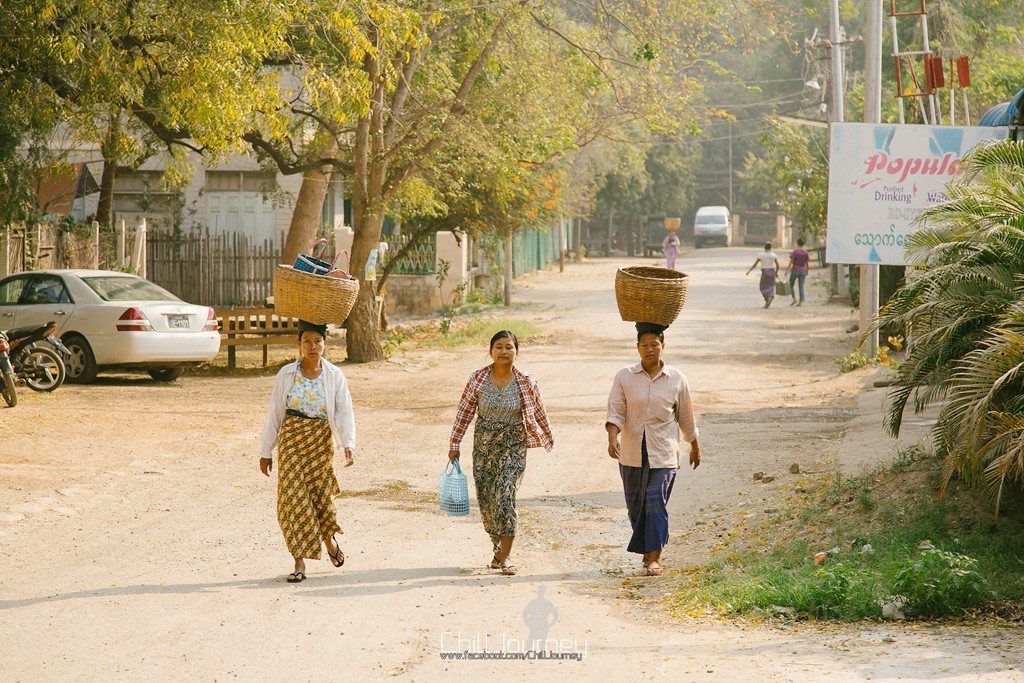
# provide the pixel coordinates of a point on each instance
(454, 490)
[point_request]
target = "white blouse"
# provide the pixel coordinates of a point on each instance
(767, 259)
(339, 407)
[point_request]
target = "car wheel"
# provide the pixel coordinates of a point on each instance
(81, 366)
(166, 374)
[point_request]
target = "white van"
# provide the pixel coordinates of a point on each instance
(713, 225)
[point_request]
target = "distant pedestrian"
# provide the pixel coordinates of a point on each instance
(799, 264)
(648, 405)
(769, 263)
(510, 418)
(671, 248)
(310, 412)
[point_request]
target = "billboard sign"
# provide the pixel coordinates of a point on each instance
(880, 178)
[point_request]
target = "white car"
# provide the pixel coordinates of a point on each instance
(109, 319)
(712, 224)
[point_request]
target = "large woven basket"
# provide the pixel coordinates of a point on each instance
(314, 298)
(650, 295)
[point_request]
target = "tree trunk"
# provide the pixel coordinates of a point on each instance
(309, 206)
(363, 336)
(105, 208)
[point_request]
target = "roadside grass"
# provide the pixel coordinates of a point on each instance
(478, 332)
(885, 534)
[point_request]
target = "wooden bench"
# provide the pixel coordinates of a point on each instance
(254, 327)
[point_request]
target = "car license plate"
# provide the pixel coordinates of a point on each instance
(178, 322)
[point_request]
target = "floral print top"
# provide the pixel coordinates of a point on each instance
(308, 396)
(500, 405)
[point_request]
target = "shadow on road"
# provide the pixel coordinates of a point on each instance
(348, 584)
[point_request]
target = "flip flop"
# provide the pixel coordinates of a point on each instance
(494, 563)
(509, 570)
(296, 577)
(334, 558)
(654, 571)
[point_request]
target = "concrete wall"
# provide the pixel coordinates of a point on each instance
(412, 295)
(419, 294)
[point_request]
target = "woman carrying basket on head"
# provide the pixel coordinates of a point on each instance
(670, 246)
(510, 419)
(310, 412)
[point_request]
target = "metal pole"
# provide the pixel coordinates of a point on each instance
(931, 96)
(508, 271)
(561, 244)
(896, 52)
(96, 245)
(872, 114)
(121, 247)
(5, 269)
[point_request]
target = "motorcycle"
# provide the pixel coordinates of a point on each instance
(7, 381)
(39, 367)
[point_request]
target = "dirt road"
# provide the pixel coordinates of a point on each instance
(139, 541)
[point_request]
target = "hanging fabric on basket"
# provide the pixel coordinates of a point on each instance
(307, 263)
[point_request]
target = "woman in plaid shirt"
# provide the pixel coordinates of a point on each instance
(510, 419)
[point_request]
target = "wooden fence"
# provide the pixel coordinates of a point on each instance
(213, 270)
(53, 245)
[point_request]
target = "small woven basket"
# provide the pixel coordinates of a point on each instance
(650, 295)
(313, 298)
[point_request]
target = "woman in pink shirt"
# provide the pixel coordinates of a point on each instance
(799, 264)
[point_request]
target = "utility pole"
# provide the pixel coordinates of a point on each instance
(730, 167)
(872, 114)
(838, 275)
(608, 237)
(835, 31)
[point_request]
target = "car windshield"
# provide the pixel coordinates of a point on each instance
(127, 288)
(711, 220)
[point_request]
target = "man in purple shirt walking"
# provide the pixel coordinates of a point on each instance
(799, 264)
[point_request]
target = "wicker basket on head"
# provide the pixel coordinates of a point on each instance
(314, 298)
(650, 295)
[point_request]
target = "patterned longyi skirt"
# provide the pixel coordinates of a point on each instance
(306, 485)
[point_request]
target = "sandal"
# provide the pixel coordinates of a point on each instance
(509, 570)
(334, 558)
(654, 569)
(495, 564)
(296, 577)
